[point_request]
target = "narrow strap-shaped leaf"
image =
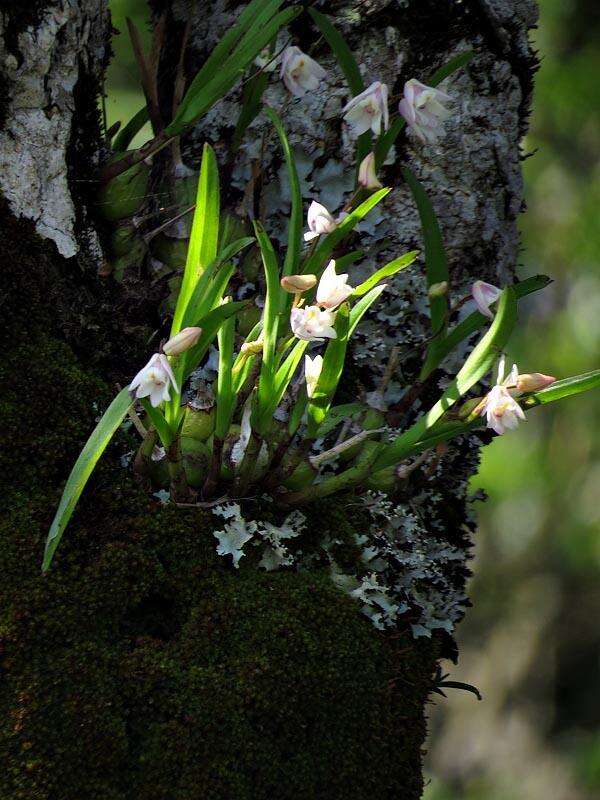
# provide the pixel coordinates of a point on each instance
(270, 317)
(225, 394)
(204, 235)
(251, 104)
(386, 142)
(199, 102)
(564, 388)
(159, 422)
(325, 248)
(348, 259)
(200, 303)
(349, 67)
(262, 418)
(292, 256)
(125, 136)
(364, 304)
(338, 414)
(477, 365)
(387, 271)
(474, 322)
(83, 468)
(333, 364)
(224, 48)
(436, 263)
(210, 324)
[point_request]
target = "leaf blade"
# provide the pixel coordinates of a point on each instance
(83, 468)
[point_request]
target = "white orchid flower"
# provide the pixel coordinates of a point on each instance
(154, 380)
(333, 289)
(319, 221)
(300, 73)
(422, 108)
(312, 372)
(312, 324)
(502, 411)
(369, 109)
(485, 294)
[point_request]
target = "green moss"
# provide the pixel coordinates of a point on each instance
(142, 665)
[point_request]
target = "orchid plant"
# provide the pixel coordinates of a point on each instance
(253, 430)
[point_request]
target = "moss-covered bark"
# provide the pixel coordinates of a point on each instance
(142, 666)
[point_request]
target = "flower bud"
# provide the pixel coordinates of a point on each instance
(367, 177)
(182, 341)
(533, 382)
(438, 289)
(296, 284)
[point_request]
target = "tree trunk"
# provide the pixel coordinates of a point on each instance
(142, 665)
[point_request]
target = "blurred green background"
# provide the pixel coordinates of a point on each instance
(532, 641)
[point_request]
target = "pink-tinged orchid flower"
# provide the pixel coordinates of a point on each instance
(312, 372)
(300, 73)
(319, 221)
(369, 109)
(312, 324)
(154, 380)
(485, 295)
(502, 411)
(333, 289)
(422, 108)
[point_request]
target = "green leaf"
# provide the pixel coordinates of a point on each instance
(474, 322)
(272, 299)
(263, 417)
(198, 100)
(210, 324)
(387, 271)
(88, 458)
(333, 364)
(159, 423)
(338, 414)
(436, 264)
(225, 394)
(251, 105)
(323, 252)
(125, 136)
(564, 388)
(204, 297)
(204, 235)
(349, 67)
(364, 304)
(477, 365)
(386, 142)
(292, 256)
(348, 259)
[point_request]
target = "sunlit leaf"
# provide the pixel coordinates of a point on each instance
(387, 271)
(83, 468)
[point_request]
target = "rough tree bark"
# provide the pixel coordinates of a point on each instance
(141, 667)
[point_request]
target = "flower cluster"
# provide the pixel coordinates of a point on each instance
(421, 106)
(314, 323)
